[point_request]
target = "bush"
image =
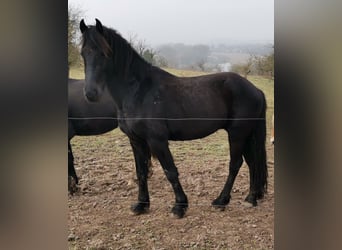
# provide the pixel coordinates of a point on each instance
(74, 57)
(257, 65)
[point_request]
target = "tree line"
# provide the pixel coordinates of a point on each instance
(256, 65)
(74, 18)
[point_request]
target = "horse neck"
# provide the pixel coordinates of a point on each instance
(139, 68)
(122, 87)
(118, 89)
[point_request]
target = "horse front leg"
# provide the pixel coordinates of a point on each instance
(162, 151)
(72, 176)
(142, 157)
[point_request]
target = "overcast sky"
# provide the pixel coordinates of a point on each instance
(184, 21)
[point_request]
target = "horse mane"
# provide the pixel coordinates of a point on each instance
(113, 45)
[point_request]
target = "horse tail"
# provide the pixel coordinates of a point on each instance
(256, 154)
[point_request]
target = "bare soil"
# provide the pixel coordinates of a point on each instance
(100, 217)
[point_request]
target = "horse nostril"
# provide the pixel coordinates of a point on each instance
(92, 95)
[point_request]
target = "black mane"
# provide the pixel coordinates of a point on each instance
(113, 45)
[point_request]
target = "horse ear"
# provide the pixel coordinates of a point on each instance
(99, 26)
(83, 26)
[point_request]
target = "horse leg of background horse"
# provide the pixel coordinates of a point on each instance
(236, 145)
(72, 176)
(142, 158)
(162, 151)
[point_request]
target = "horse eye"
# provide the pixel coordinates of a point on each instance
(86, 51)
(100, 55)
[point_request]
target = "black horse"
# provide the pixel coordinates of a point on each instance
(86, 118)
(154, 106)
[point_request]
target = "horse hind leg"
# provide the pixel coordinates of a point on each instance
(236, 150)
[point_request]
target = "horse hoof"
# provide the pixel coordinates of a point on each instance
(260, 195)
(72, 185)
(247, 204)
(179, 210)
(219, 207)
(220, 203)
(251, 199)
(140, 208)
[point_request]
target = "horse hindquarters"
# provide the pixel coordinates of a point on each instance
(247, 138)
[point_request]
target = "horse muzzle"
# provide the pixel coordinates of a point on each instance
(92, 95)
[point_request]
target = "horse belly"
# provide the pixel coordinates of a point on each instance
(191, 130)
(94, 127)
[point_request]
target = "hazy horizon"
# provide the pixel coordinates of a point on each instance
(189, 22)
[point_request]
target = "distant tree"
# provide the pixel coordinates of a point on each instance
(74, 17)
(249, 65)
(169, 53)
(161, 61)
(237, 68)
(265, 66)
(269, 65)
(258, 65)
(201, 64)
(180, 55)
(150, 55)
(143, 49)
(246, 68)
(217, 68)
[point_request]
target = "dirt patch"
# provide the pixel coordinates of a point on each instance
(99, 213)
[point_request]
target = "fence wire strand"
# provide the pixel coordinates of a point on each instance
(169, 119)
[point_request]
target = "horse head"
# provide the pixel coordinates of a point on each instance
(98, 63)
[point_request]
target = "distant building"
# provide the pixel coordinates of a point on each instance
(225, 66)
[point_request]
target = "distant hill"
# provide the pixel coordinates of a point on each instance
(195, 56)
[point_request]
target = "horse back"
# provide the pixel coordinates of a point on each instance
(210, 96)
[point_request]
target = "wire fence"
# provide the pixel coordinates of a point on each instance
(169, 119)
